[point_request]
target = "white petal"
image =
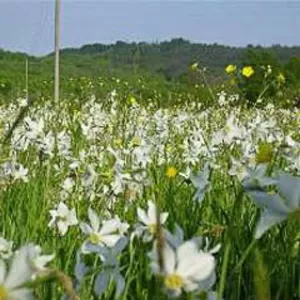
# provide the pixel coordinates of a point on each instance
(207, 283)
(163, 217)
(62, 209)
(62, 227)
(20, 271)
(274, 202)
(88, 247)
(72, 217)
(109, 227)
(289, 188)
(41, 261)
(95, 222)
(2, 271)
(215, 249)
(85, 228)
(169, 259)
(190, 286)
(267, 220)
(152, 212)
(21, 294)
(101, 283)
(201, 269)
(187, 250)
(111, 239)
(120, 282)
(142, 216)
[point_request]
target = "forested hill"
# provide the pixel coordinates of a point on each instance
(169, 59)
(172, 57)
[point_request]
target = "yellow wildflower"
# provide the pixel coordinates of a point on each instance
(281, 78)
(247, 71)
(194, 66)
(230, 69)
(132, 100)
(171, 172)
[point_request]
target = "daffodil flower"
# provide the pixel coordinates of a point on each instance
(202, 183)
(148, 222)
(186, 268)
(108, 234)
(62, 217)
(110, 268)
(278, 207)
(20, 272)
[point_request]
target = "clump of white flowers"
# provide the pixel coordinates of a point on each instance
(62, 218)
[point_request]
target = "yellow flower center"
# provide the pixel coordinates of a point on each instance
(152, 228)
(171, 172)
(3, 293)
(194, 66)
(264, 154)
(94, 239)
(173, 282)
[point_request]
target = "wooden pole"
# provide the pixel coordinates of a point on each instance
(57, 48)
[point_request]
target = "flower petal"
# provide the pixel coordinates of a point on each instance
(120, 284)
(289, 188)
(20, 271)
(109, 227)
(267, 220)
(110, 240)
(152, 212)
(272, 202)
(202, 268)
(86, 228)
(101, 283)
(2, 271)
(94, 219)
(21, 294)
(142, 216)
(187, 250)
(169, 259)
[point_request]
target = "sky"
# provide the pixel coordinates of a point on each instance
(28, 26)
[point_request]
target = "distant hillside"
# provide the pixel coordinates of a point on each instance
(169, 60)
(173, 57)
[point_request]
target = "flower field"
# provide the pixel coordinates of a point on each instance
(106, 199)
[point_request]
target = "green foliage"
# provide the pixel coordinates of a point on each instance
(165, 67)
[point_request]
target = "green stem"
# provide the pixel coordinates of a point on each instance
(246, 254)
(224, 271)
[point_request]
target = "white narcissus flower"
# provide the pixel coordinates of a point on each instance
(110, 272)
(278, 207)
(148, 221)
(62, 217)
(108, 234)
(201, 182)
(5, 248)
(20, 272)
(89, 176)
(186, 268)
(238, 169)
(39, 261)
